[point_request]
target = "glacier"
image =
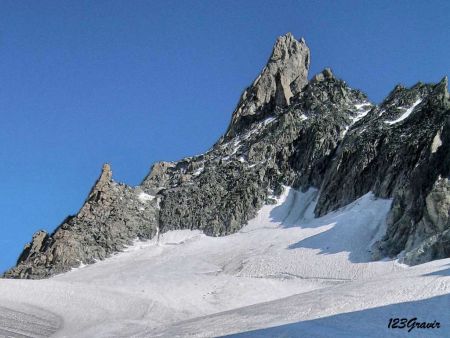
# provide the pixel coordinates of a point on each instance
(285, 273)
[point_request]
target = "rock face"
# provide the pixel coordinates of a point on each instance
(112, 216)
(400, 150)
(284, 131)
(285, 74)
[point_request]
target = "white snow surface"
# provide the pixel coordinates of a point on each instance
(199, 171)
(362, 110)
(143, 197)
(405, 114)
(303, 117)
(285, 274)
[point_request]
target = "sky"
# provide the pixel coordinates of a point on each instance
(134, 82)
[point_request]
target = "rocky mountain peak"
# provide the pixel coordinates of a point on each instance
(106, 175)
(285, 74)
(37, 244)
(326, 74)
(102, 184)
(442, 87)
(285, 47)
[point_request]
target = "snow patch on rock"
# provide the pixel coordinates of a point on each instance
(144, 198)
(437, 142)
(406, 114)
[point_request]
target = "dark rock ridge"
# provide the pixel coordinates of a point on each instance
(285, 130)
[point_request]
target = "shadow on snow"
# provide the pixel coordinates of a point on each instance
(353, 228)
(368, 323)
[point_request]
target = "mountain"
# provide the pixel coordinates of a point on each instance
(286, 131)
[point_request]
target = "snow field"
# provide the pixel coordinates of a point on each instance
(284, 273)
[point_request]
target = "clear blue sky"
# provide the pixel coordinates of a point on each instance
(133, 82)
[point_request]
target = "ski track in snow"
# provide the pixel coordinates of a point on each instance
(286, 274)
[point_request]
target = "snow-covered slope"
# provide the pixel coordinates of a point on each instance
(285, 273)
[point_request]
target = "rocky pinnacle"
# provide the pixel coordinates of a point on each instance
(285, 74)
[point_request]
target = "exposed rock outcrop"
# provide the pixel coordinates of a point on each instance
(112, 216)
(285, 74)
